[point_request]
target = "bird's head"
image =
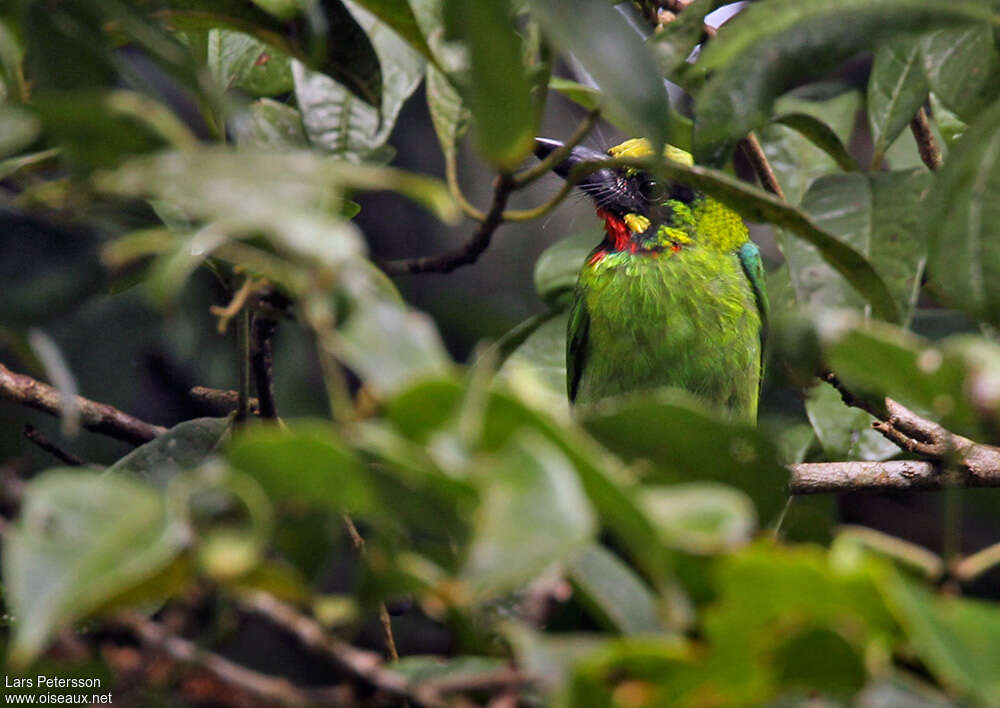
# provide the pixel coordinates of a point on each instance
(642, 211)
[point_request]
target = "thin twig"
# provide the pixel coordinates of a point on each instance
(311, 634)
(223, 401)
(761, 167)
(451, 177)
(36, 436)
(926, 145)
(383, 612)
(471, 249)
(97, 417)
(262, 363)
(235, 305)
(272, 689)
(972, 566)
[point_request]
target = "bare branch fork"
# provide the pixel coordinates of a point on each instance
(503, 186)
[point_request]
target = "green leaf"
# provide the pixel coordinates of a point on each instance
(398, 15)
(282, 9)
(768, 49)
(845, 433)
(896, 90)
(821, 135)
(91, 130)
(60, 49)
(450, 117)
(801, 591)
(879, 215)
(633, 93)
(952, 128)
(619, 599)
(700, 517)
(498, 88)
(231, 55)
(428, 406)
(417, 351)
(183, 447)
(645, 670)
(557, 269)
(305, 465)
(345, 50)
(534, 513)
(18, 129)
(80, 541)
(841, 673)
(238, 60)
(585, 96)
(957, 638)
(963, 68)
(684, 444)
(449, 57)
(796, 160)
(536, 369)
(550, 656)
(933, 380)
(334, 120)
(963, 223)
(270, 124)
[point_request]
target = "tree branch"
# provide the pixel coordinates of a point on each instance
(761, 167)
(223, 401)
(926, 144)
(888, 476)
(362, 664)
(97, 417)
(262, 363)
(471, 249)
(271, 689)
(36, 436)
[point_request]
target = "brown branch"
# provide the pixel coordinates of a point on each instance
(468, 252)
(365, 665)
(36, 436)
(97, 417)
(926, 145)
(262, 363)
(223, 401)
(761, 167)
(858, 475)
(954, 460)
(271, 689)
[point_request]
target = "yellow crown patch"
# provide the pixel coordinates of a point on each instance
(640, 147)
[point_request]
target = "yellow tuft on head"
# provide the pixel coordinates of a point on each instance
(637, 223)
(640, 147)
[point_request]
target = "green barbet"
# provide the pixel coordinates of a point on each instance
(673, 296)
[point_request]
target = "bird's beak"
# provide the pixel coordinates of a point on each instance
(594, 183)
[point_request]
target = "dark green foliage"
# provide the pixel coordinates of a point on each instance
(158, 158)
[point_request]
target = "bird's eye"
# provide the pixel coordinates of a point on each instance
(652, 190)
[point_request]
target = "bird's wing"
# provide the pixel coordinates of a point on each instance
(749, 256)
(576, 344)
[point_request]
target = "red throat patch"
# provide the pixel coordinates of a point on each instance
(616, 229)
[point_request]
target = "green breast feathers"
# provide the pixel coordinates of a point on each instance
(672, 297)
